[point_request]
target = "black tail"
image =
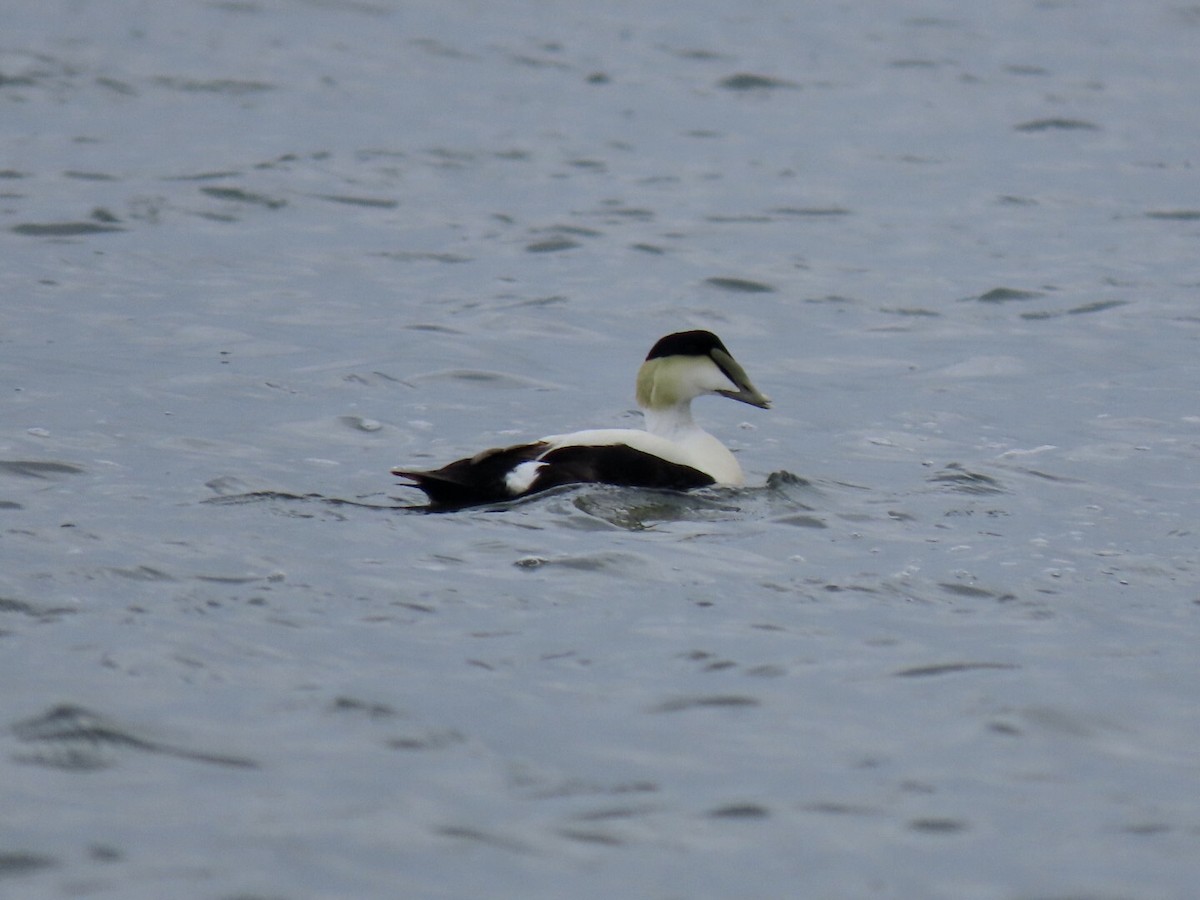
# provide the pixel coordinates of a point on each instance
(446, 493)
(474, 481)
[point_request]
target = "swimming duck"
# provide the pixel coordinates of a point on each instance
(673, 452)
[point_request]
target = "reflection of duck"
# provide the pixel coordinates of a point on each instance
(673, 452)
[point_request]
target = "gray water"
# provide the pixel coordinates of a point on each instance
(944, 645)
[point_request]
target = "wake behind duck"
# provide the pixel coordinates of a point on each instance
(672, 453)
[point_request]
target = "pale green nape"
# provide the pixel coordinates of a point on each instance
(659, 380)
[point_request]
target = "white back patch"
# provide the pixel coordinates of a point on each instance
(692, 447)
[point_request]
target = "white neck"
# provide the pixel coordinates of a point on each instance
(701, 450)
(671, 422)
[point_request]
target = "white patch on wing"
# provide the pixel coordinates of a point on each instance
(521, 478)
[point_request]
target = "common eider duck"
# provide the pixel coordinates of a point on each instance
(672, 453)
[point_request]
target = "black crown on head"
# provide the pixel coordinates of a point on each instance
(686, 343)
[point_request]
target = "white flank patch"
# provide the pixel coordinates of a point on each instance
(520, 478)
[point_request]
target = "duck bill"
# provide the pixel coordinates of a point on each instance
(746, 391)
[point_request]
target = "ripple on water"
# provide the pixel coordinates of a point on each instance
(38, 468)
(705, 701)
(950, 669)
(1056, 123)
(746, 81)
(638, 510)
(242, 196)
(64, 229)
(72, 737)
(955, 477)
(938, 825)
(369, 202)
(739, 285)
(1175, 215)
(740, 811)
(483, 377)
(613, 563)
(19, 862)
(552, 245)
(1007, 295)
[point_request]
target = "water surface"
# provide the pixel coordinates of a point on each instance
(944, 644)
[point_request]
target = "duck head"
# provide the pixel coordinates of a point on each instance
(688, 364)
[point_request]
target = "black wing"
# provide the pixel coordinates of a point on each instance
(616, 464)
